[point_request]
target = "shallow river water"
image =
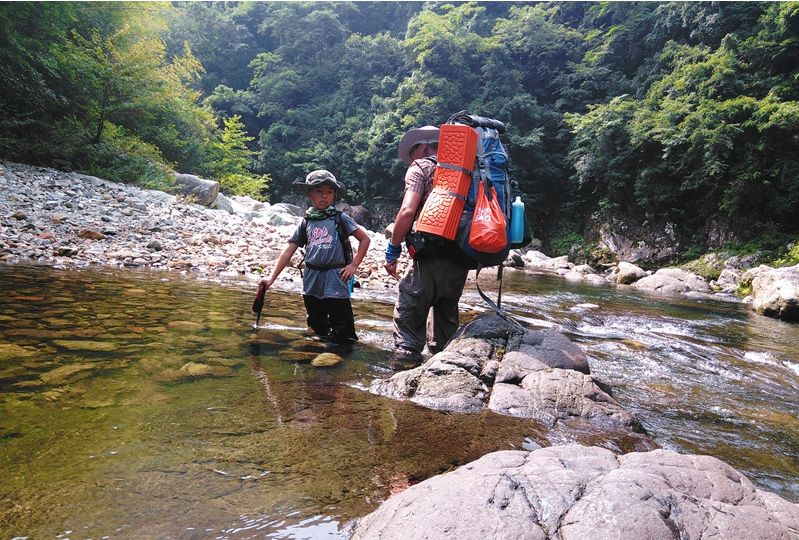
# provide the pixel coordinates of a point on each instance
(144, 405)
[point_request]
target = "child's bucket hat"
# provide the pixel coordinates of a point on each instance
(320, 177)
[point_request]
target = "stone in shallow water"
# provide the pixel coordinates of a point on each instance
(193, 370)
(184, 325)
(326, 360)
(9, 351)
(64, 374)
(298, 357)
(80, 345)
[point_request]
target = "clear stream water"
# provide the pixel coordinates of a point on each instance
(144, 405)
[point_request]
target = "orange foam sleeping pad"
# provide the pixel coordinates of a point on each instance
(441, 213)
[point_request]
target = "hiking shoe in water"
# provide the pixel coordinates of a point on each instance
(407, 357)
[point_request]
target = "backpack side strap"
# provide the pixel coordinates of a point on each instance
(498, 310)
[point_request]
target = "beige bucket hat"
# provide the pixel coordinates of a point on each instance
(422, 135)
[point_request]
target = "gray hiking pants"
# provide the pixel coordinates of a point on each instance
(431, 287)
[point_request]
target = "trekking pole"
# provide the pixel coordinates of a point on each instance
(499, 278)
(258, 304)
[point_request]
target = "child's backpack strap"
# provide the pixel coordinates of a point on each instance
(343, 238)
(303, 232)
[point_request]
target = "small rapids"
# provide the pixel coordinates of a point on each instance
(138, 404)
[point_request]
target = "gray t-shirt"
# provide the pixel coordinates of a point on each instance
(324, 248)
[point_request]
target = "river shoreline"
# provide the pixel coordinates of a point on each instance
(70, 220)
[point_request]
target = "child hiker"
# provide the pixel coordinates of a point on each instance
(329, 263)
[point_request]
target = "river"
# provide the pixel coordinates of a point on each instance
(144, 405)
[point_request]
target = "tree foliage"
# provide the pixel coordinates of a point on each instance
(672, 112)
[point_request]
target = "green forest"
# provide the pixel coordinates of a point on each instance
(677, 114)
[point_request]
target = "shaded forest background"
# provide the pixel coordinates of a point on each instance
(683, 115)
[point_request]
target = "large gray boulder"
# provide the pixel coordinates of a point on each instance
(246, 207)
(283, 214)
(492, 364)
(200, 190)
(578, 492)
(626, 273)
(672, 281)
(775, 292)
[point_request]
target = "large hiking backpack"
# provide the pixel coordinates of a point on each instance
(457, 183)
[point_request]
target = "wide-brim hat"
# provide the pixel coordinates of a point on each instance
(422, 135)
(320, 177)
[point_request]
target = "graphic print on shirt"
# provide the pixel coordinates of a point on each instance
(320, 237)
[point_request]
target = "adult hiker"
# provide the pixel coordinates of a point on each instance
(329, 262)
(426, 309)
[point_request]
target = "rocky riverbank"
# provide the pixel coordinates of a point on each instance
(72, 220)
(66, 219)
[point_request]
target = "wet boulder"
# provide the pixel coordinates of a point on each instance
(577, 492)
(492, 364)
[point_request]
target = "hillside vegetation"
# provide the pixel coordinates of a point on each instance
(681, 114)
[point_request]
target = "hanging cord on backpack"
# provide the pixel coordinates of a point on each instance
(498, 310)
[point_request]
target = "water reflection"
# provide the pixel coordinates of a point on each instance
(142, 405)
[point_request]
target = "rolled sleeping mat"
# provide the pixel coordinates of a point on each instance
(457, 149)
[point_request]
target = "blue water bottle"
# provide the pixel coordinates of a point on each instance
(351, 284)
(517, 222)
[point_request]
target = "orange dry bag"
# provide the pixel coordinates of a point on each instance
(489, 232)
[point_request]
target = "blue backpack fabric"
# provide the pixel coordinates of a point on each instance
(491, 168)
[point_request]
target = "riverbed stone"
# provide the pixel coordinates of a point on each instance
(10, 351)
(576, 492)
(86, 345)
(193, 370)
(67, 373)
(326, 360)
(775, 292)
(185, 326)
(493, 364)
(672, 281)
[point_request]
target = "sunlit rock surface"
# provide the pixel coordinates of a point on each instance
(493, 364)
(577, 492)
(775, 292)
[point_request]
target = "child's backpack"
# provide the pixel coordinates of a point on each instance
(342, 236)
(471, 174)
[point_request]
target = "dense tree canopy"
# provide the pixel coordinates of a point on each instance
(681, 113)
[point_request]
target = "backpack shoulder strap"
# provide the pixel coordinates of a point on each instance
(343, 237)
(303, 232)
